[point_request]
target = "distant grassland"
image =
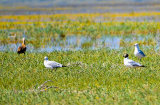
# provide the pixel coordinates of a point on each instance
(78, 16)
(92, 77)
(83, 6)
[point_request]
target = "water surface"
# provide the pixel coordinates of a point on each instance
(74, 43)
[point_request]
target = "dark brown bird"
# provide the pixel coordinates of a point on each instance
(22, 49)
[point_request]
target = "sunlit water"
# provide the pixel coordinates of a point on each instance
(73, 43)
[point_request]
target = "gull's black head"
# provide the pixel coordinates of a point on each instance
(126, 55)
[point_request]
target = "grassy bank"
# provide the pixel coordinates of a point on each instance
(92, 77)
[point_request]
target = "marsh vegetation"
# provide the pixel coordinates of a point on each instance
(92, 45)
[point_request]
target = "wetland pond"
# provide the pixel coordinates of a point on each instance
(74, 42)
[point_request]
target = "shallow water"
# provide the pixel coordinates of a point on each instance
(80, 43)
(73, 43)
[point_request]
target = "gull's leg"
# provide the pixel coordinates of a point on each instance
(56, 69)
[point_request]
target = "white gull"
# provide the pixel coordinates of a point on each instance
(52, 64)
(130, 63)
(137, 52)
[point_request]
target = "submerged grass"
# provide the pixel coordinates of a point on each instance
(92, 77)
(37, 35)
(39, 30)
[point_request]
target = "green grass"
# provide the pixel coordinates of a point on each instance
(92, 77)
